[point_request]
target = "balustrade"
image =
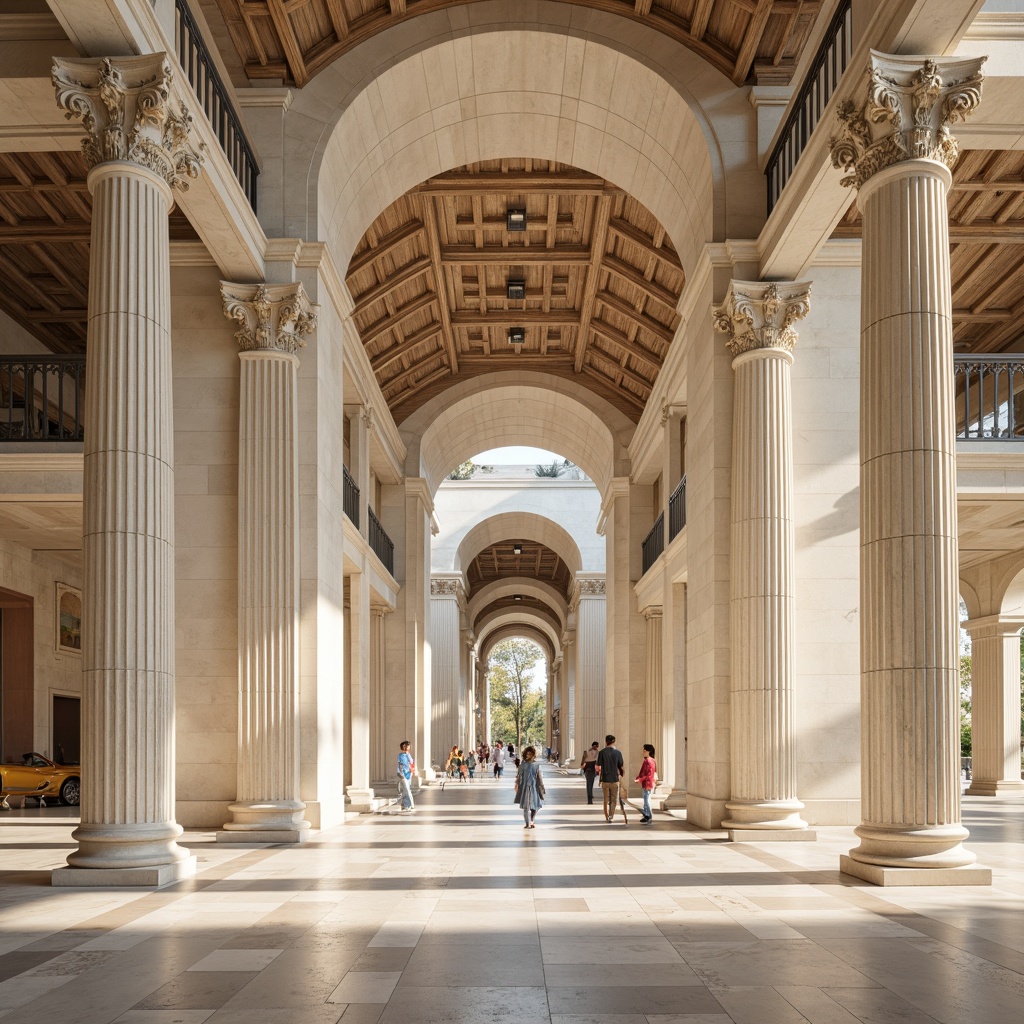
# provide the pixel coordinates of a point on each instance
(350, 497)
(380, 543)
(41, 397)
(677, 510)
(654, 542)
(989, 398)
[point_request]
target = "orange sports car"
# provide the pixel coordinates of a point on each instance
(39, 777)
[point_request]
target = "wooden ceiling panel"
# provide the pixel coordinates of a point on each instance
(294, 40)
(431, 280)
(535, 561)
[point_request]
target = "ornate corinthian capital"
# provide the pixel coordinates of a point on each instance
(274, 317)
(123, 104)
(911, 103)
(761, 314)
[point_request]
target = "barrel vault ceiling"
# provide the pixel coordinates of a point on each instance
(294, 40)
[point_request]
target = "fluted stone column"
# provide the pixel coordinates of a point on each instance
(652, 677)
(758, 319)
(273, 320)
(568, 745)
(359, 791)
(899, 151)
(995, 705)
(382, 770)
(445, 672)
(137, 150)
(591, 621)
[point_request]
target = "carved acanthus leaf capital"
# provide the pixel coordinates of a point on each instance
(762, 314)
(591, 588)
(124, 105)
(910, 105)
(273, 317)
(445, 587)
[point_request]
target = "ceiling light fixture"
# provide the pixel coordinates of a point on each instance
(517, 597)
(515, 218)
(517, 549)
(517, 338)
(515, 288)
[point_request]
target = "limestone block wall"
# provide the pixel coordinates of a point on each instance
(204, 355)
(35, 575)
(826, 398)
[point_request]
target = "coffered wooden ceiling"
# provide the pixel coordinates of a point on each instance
(293, 40)
(430, 281)
(986, 236)
(536, 562)
(45, 220)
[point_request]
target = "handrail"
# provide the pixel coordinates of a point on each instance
(677, 510)
(654, 543)
(380, 543)
(349, 496)
(42, 397)
(194, 58)
(989, 402)
(820, 82)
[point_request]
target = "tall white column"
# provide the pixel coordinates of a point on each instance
(382, 770)
(359, 791)
(995, 705)
(653, 683)
(273, 320)
(672, 760)
(359, 420)
(758, 319)
(591, 619)
(446, 676)
(899, 150)
(568, 740)
(138, 152)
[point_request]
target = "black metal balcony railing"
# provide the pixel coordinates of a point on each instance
(381, 544)
(42, 397)
(350, 497)
(820, 83)
(677, 510)
(202, 74)
(989, 397)
(654, 542)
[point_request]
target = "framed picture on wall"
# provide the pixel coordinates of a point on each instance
(69, 619)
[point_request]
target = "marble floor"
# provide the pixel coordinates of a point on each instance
(457, 914)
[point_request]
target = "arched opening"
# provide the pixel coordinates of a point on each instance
(517, 669)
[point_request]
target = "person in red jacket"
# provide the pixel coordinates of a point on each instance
(648, 770)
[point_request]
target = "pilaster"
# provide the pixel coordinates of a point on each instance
(758, 319)
(382, 769)
(273, 322)
(588, 601)
(447, 705)
(138, 152)
(899, 150)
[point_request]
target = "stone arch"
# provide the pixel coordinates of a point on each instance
(498, 589)
(453, 87)
(507, 408)
(503, 625)
(970, 598)
(518, 526)
(1011, 589)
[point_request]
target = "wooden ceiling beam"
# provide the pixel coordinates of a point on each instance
(384, 247)
(699, 21)
(400, 315)
(642, 8)
(515, 318)
(634, 400)
(29, 232)
(631, 234)
(627, 373)
(383, 360)
(632, 276)
(517, 183)
(430, 226)
(28, 287)
(659, 330)
(467, 255)
(622, 342)
(598, 243)
(289, 41)
(339, 21)
(397, 7)
(408, 273)
(64, 316)
(41, 185)
(407, 393)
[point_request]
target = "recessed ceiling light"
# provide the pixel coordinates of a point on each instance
(517, 597)
(515, 288)
(515, 218)
(517, 549)
(517, 338)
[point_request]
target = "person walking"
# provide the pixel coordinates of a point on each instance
(498, 759)
(470, 764)
(406, 766)
(529, 787)
(611, 767)
(588, 765)
(646, 777)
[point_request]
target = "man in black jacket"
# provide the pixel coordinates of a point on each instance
(611, 767)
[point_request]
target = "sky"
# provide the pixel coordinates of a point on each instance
(515, 456)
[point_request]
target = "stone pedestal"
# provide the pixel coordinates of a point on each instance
(995, 705)
(138, 152)
(899, 150)
(273, 319)
(759, 320)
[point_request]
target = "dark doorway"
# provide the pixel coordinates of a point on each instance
(17, 673)
(67, 717)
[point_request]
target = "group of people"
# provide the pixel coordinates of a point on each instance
(607, 765)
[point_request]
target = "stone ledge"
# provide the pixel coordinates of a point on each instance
(772, 835)
(261, 836)
(118, 878)
(879, 875)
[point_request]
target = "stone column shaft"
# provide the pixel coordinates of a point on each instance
(995, 706)
(446, 713)
(382, 769)
(359, 791)
(759, 318)
(591, 622)
(138, 152)
(267, 807)
(900, 150)
(653, 678)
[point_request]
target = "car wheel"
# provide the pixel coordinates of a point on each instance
(71, 791)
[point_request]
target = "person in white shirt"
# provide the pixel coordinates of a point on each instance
(498, 758)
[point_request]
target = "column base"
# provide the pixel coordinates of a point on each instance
(360, 799)
(995, 787)
(772, 835)
(879, 874)
(258, 836)
(671, 800)
(282, 818)
(764, 816)
(122, 878)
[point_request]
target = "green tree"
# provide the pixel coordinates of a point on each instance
(517, 703)
(467, 470)
(965, 705)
